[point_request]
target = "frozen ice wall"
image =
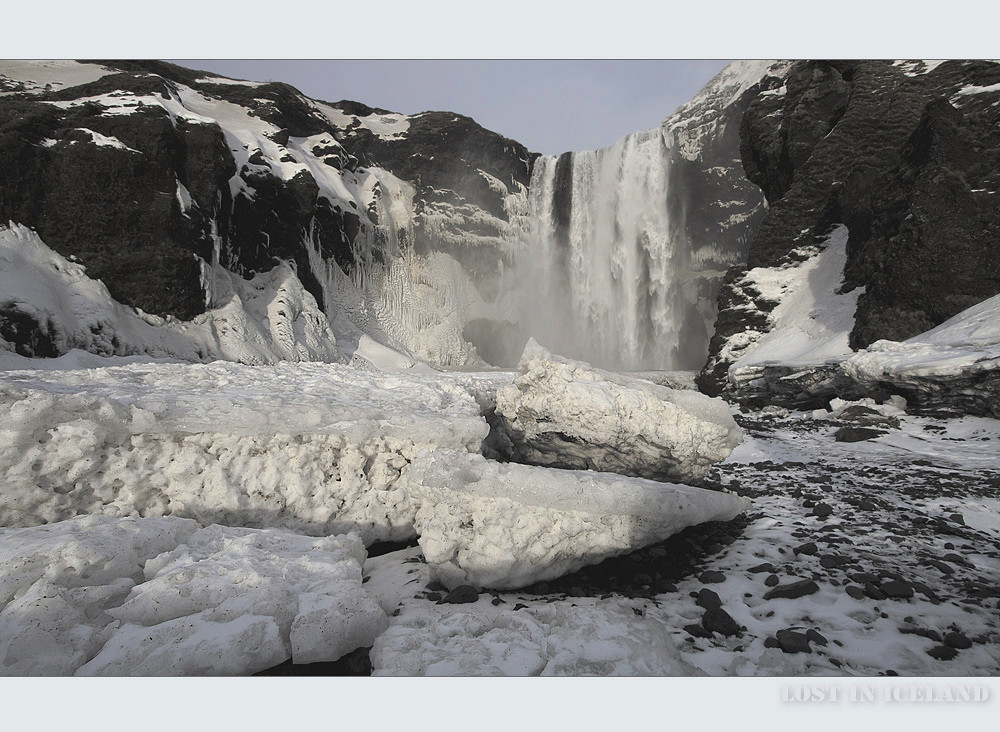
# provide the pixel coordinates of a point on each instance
(603, 271)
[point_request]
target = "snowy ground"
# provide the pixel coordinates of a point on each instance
(891, 545)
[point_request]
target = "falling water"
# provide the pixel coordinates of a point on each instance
(603, 271)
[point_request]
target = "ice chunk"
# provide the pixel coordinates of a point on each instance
(191, 646)
(594, 638)
(329, 626)
(505, 525)
(57, 583)
(566, 414)
(158, 596)
(309, 588)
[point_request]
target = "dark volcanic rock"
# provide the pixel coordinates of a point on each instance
(809, 548)
(708, 599)
(957, 640)
(710, 576)
(897, 589)
(942, 653)
(856, 434)
(791, 641)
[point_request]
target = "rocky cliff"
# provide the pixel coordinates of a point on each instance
(904, 154)
(149, 174)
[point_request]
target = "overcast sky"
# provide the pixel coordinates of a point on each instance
(549, 106)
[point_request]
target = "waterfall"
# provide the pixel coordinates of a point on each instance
(603, 271)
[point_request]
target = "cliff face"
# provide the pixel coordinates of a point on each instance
(905, 155)
(148, 173)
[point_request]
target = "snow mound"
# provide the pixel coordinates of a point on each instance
(968, 341)
(592, 638)
(504, 525)
(236, 601)
(565, 413)
(314, 448)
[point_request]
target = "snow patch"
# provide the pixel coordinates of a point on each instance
(813, 319)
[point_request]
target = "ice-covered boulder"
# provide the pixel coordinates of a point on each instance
(566, 414)
(313, 448)
(591, 638)
(505, 525)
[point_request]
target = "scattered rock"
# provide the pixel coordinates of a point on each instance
(793, 590)
(808, 548)
(957, 640)
(709, 577)
(462, 594)
(822, 510)
(832, 561)
(771, 580)
(816, 637)
(708, 599)
(856, 434)
(874, 592)
(854, 591)
(791, 641)
(897, 589)
(697, 631)
(718, 620)
(765, 567)
(942, 653)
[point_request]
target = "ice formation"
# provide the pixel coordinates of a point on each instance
(503, 525)
(591, 638)
(139, 597)
(315, 448)
(236, 601)
(567, 414)
(58, 581)
(266, 319)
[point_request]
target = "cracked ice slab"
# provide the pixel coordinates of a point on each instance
(567, 414)
(505, 525)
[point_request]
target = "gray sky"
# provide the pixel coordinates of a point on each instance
(549, 106)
